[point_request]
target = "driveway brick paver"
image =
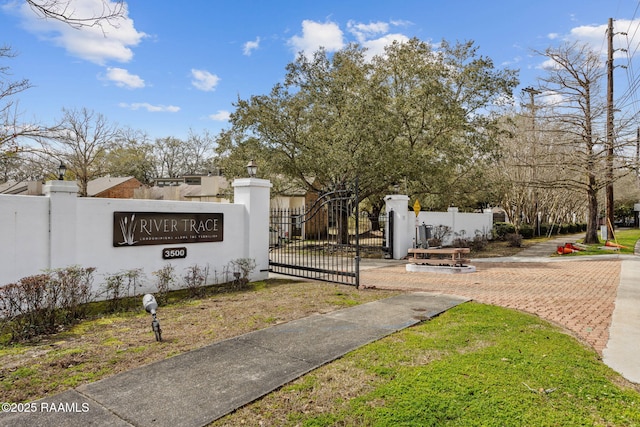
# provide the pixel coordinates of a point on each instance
(579, 295)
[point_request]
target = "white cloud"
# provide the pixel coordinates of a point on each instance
(400, 23)
(316, 35)
(374, 36)
(594, 36)
(364, 32)
(250, 46)
(376, 47)
(112, 41)
(123, 78)
(548, 64)
(220, 116)
(204, 80)
(150, 108)
(551, 98)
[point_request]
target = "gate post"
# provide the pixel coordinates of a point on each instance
(253, 193)
(399, 204)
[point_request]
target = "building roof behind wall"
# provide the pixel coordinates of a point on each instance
(100, 185)
(23, 188)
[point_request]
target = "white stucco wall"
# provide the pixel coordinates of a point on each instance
(24, 236)
(406, 222)
(462, 224)
(61, 230)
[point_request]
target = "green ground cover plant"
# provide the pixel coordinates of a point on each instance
(475, 365)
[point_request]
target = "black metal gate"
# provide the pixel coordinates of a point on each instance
(320, 241)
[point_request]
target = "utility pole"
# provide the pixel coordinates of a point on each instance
(636, 215)
(609, 175)
(638, 153)
(532, 106)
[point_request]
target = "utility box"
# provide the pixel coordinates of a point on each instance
(604, 233)
(424, 234)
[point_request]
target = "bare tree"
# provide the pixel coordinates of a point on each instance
(573, 79)
(81, 141)
(64, 11)
(199, 152)
(10, 127)
(170, 157)
(528, 180)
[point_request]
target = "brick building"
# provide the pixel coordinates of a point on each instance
(113, 187)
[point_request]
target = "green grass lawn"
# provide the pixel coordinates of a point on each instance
(475, 365)
(627, 238)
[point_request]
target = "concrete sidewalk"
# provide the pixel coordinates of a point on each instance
(195, 388)
(623, 346)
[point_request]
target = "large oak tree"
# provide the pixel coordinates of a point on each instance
(419, 114)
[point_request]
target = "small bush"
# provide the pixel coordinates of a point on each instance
(438, 234)
(166, 279)
(526, 231)
(29, 307)
(41, 304)
(434, 243)
(479, 242)
(544, 229)
(514, 240)
(501, 229)
(460, 240)
(196, 279)
(74, 287)
(121, 285)
(242, 268)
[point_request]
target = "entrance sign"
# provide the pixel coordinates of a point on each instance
(166, 228)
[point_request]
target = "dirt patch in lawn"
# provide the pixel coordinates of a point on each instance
(109, 344)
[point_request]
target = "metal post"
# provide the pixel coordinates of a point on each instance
(357, 238)
(390, 233)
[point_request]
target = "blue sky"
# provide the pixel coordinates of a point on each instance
(174, 66)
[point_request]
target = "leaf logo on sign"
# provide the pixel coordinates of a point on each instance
(128, 228)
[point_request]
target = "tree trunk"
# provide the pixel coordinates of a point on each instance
(374, 218)
(592, 219)
(343, 224)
